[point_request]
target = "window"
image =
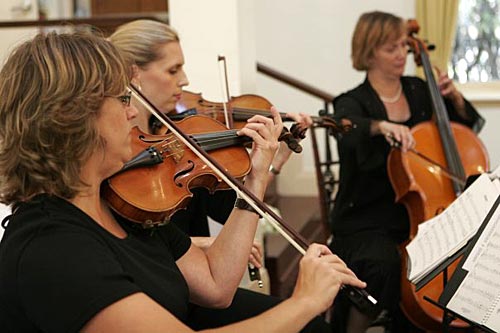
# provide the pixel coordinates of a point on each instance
(476, 53)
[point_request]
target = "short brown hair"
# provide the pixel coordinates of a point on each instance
(52, 88)
(373, 30)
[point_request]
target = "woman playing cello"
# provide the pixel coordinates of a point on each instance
(366, 223)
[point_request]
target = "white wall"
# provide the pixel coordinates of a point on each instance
(208, 29)
(486, 98)
(490, 133)
(310, 40)
(11, 10)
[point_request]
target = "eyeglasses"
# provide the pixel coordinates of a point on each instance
(125, 99)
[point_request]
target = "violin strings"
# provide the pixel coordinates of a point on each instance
(249, 112)
(293, 237)
(215, 140)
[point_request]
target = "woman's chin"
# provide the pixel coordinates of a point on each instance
(169, 107)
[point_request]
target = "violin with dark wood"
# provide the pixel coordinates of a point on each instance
(427, 179)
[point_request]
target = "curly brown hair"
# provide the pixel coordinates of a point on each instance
(52, 88)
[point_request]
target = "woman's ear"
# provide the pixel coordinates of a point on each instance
(369, 61)
(136, 77)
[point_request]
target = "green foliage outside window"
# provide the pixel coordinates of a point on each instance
(476, 53)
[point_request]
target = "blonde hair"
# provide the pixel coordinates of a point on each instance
(140, 41)
(373, 30)
(51, 89)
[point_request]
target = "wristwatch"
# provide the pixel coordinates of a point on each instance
(242, 204)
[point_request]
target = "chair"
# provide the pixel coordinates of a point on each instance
(327, 168)
(326, 171)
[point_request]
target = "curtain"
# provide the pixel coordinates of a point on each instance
(437, 20)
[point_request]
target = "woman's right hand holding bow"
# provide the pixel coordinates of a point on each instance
(395, 134)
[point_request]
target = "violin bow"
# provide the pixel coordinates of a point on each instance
(289, 234)
(359, 297)
(447, 172)
(227, 115)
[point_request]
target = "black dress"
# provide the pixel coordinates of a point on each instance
(366, 223)
(58, 268)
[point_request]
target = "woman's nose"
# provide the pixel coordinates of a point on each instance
(132, 112)
(184, 80)
(403, 51)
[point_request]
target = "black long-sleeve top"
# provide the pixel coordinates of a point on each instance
(365, 200)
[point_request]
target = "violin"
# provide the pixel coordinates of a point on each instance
(242, 108)
(289, 137)
(172, 150)
(164, 170)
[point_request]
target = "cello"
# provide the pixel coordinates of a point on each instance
(426, 189)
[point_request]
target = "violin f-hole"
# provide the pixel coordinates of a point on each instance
(183, 172)
(143, 139)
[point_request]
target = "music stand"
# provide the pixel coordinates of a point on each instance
(453, 285)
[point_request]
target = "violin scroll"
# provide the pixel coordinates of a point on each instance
(291, 140)
(336, 126)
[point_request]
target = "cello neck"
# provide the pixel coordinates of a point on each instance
(442, 122)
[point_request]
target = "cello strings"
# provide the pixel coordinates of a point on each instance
(440, 169)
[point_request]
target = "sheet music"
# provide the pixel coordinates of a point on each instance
(4, 211)
(493, 322)
(478, 295)
(442, 236)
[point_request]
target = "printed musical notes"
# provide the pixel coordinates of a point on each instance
(442, 236)
(477, 296)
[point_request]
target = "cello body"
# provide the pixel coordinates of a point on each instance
(426, 191)
(426, 186)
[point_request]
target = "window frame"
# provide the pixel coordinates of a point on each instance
(483, 92)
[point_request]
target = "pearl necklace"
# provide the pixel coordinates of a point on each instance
(394, 99)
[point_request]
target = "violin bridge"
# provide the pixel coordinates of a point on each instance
(175, 150)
